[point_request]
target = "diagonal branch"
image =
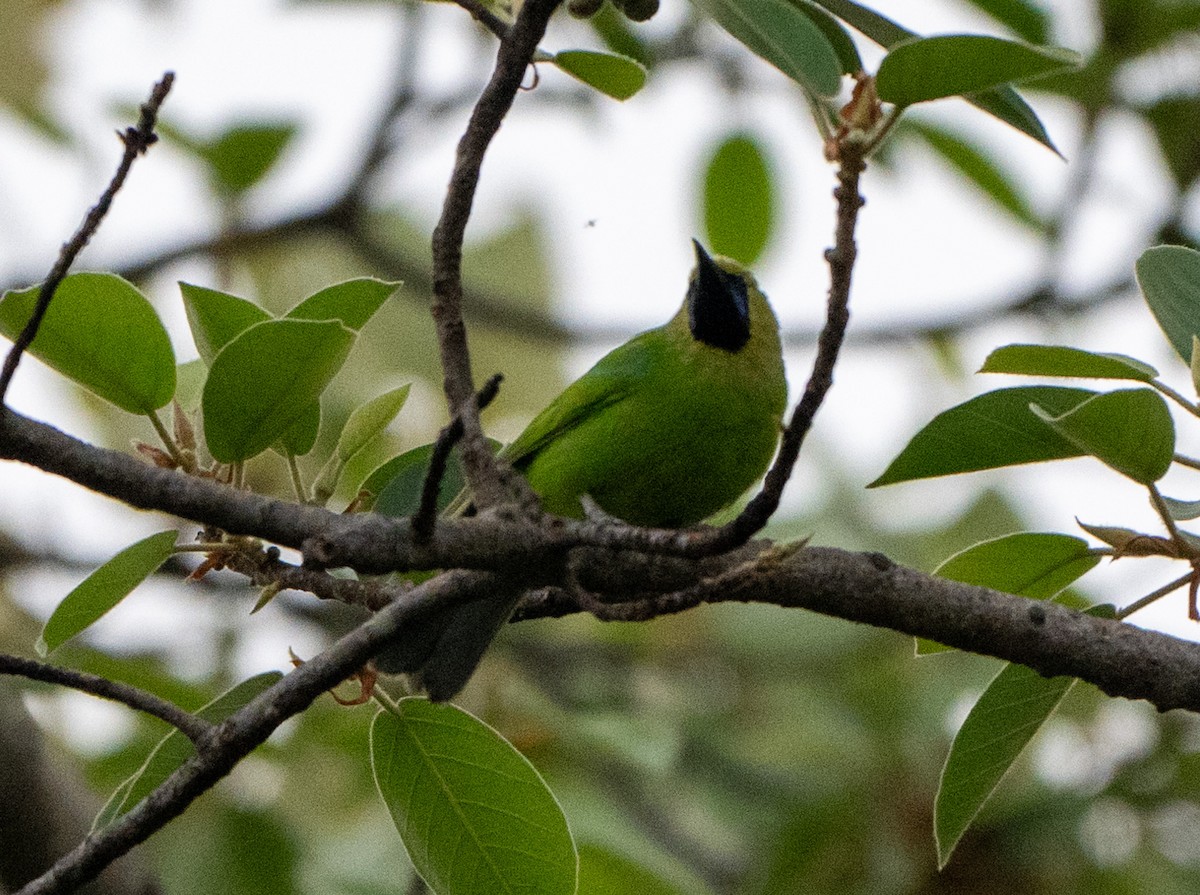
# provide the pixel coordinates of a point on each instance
(516, 51)
(137, 140)
(242, 732)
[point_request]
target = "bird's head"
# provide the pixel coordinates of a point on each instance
(718, 302)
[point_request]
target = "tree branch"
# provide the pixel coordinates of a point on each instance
(516, 50)
(188, 724)
(247, 728)
(137, 140)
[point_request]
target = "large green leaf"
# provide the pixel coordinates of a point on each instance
(1169, 277)
(1038, 565)
(617, 76)
(1000, 725)
(266, 379)
(88, 333)
(928, 68)
(175, 748)
(992, 430)
(473, 813)
(104, 589)
(1031, 564)
(739, 206)
(782, 34)
(1057, 360)
(353, 302)
(1131, 430)
(1012, 709)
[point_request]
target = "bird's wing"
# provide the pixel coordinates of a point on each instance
(610, 381)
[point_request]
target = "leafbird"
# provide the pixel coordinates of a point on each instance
(664, 431)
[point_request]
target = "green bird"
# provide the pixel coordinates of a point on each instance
(663, 431)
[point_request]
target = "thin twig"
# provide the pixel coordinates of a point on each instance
(137, 140)
(516, 51)
(841, 258)
(194, 728)
(426, 515)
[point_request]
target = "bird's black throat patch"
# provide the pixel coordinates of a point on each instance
(718, 306)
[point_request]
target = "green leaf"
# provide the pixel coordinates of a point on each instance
(992, 430)
(617, 76)
(473, 813)
(1007, 105)
(353, 302)
(1029, 564)
(605, 872)
(1003, 103)
(783, 35)
(1056, 360)
(298, 439)
(175, 748)
(619, 35)
(243, 154)
(397, 483)
(1195, 364)
(928, 68)
(368, 420)
(841, 41)
(879, 28)
(1038, 565)
(739, 206)
(265, 379)
(985, 172)
(87, 333)
(217, 317)
(1176, 121)
(1130, 430)
(1026, 19)
(104, 589)
(1012, 709)
(1169, 277)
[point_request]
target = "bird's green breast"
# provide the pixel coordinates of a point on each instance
(671, 431)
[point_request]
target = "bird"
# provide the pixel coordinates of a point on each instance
(663, 431)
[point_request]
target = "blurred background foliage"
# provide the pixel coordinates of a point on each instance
(729, 750)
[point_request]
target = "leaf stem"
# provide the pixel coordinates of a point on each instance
(297, 480)
(1138, 605)
(165, 437)
(1184, 460)
(1175, 396)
